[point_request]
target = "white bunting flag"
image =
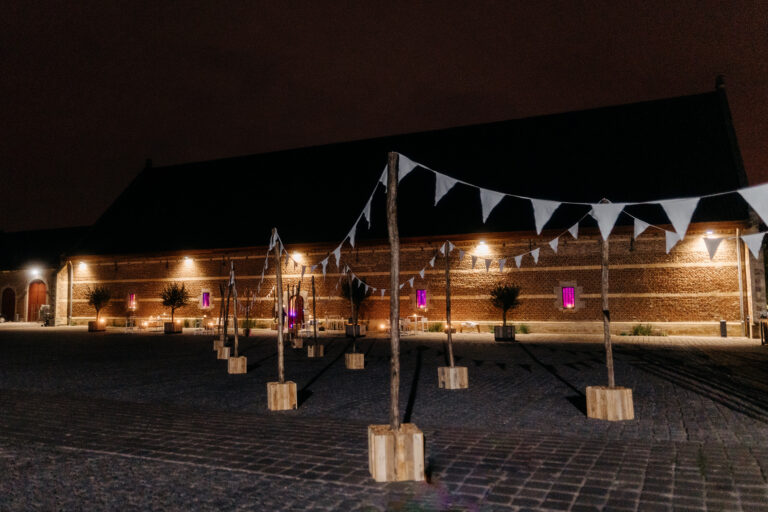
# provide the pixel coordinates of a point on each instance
(443, 184)
(712, 245)
(640, 226)
(488, 264)
(474, 261)
(303, 268)
(312, 268)
(606, 214)
(352, 233)
(670, 238)
(367, 211)
(410, 281)
(757, 197)
(373, 289)
(553, 244)
(324, 263)
(262, 275)
(421, 274)
(382, 291)
(542, 211)
(518, 260)
(383, 179)
(488, 200)
(535, 254)
(366, 289)
(401, 285)
(461, 255)
(502, 261)
(680, 212)
(404, 166)
(754, 242)
(574, 230)
(337, 254)
(442, 249)
(432, 261)
(451, 247)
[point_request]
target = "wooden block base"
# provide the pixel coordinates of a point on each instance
(612, 404)
(297, 343)
(223, 353)
(237, 365)
(217, 344)
(281, 397)
(453, 378)
(315, 350)
(396, 456)
(96, 327)
(172, 327)
(355, 360)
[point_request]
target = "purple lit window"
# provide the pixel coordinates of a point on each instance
(131, 301)
(569, 297)
(421, 298)
(206, 299)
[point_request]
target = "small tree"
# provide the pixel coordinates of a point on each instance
(175, 296)
(98, 297)
(355, 294)
(505, 297)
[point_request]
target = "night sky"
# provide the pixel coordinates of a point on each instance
(89, 91)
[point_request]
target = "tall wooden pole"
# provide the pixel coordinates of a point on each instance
(607, 316)
(234, 305)
(448, 305)
(314, 309)
(221, 313)
(280, 320)
(394, 296)
(226, 312)
(352, 311)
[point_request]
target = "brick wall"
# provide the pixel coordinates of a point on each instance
(19, 281)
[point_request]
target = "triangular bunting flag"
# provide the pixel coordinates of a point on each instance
(383, 179)
(451, 246)
(337, 254)
(303, 268)
(606, 214)
(712, 245)
(442, 249)
(421, 274)
(553, 244)
(401, 285)
(502, 261)
(670, 238)
(410, 281)
(574, 230)
(754, 242)
(640, 226)
(680, 212)
(352, 232)
(366, 289)
(518, 260)
(382, 291)
(404, 166)
(757, 197)
(488, 264)
(461, 255)
(312, 268)
(488, 200)
(272, 241)
(443, 184)
(542, 211)
(432, 262)
(474, 261)
(367, 211)
(324, 263)
(535, 254)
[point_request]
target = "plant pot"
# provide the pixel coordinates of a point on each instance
(96, 327)
(217, 344)
(359, 330)
(452, 378)
(247, 332)
(222, 353)
(611, 404)
(281, 397)
(396, 456)
(502, 333)
(354, 360)
(453, 330)
(315, 350)
(172, 328)
(297, 343)
(237, 365)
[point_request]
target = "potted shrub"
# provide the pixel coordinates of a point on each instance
(355, 294)
(174, 296)
(98, 297)
(505, 297)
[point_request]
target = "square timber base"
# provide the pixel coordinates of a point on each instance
(237, 365)
(281, 397)
(611, 404)
(217, 344)
(315, 350)
(396, 456)
(297, 343)
(452, 378)
(222, 353)
(355, 360)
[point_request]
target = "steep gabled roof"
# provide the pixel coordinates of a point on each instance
(657, 149)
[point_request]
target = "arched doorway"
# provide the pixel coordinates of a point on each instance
(8, 308)
(36, 298)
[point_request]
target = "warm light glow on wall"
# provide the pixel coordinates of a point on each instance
(187, 260)
(34, 272)
(710, 234)
(298, 258)
(482, 249)
(82, 266)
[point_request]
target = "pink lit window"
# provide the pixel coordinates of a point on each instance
(206, 299)
(569, 297)
(131, 301)
(421, 298)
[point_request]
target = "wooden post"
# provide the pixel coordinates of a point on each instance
(394, 296)
(234, 304)
(448, 305)
(314, 309)
(280, 320)
(226, 313)
(221, 313)
(607, 316)
(352, 311)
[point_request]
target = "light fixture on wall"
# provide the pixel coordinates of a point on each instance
(187, 260)
(482, 249)
(34, 272)
(297, 257)
(710, 233)
(82, 266)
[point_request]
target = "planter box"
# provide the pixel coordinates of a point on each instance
(501, 333)
(611, 404)
(453, 330)
(217, 344)
(223, 353)
(396, 456)
(315, 350)
(297, 343)
(96, 327)
(237, 365)
(172, 328)
(281, 397)
(354, 361)
(452, 378)
(359, 330)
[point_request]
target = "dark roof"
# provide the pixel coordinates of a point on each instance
(657, 149)
(38, 248)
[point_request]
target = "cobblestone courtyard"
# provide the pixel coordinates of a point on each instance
(145, 421)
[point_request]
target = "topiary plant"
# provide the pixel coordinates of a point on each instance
(98, 297)
(175, 296)
(505, 297)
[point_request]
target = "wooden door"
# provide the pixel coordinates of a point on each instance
(36, 299)
(8, 305)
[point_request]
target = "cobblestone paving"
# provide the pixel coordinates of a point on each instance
(148, 421)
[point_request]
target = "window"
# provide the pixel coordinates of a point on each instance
(131, 301)
(421, 299)
(205, 301)
(569, 297)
